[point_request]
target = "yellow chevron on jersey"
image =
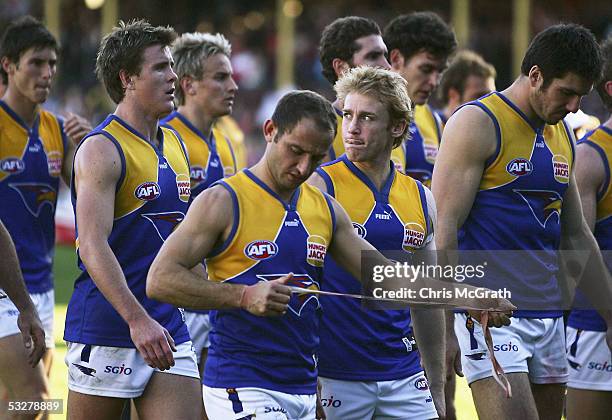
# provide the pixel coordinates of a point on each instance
(141, 166)
(229, 128)
(226, 151)
(517, 141)
(260, 220)
(426, 130)
(358, 197)
(15, 140)
(602, 139)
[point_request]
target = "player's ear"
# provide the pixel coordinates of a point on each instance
(535, 76)
(398, 128)
(7, 65)
(340, 66)
(187, 85)
(269, 131)
(126, 79)
(608, 87)
(396, 59)
(454, 96)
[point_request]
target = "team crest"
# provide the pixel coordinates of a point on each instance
(543, 204)
(35, 196)
(561, 168)
(316, 249)
(54, 163)
(261, 250)
(165, 223)
(147, 191)
(298, 301)
(183, 185)
(414, 237)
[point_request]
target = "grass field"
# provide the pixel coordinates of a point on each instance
(65, 270)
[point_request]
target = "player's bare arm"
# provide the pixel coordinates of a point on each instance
(429, 327)
(11, 282)
(590, 176)
(207, 224)
(596, 283)
(317, 181)
(97, 171)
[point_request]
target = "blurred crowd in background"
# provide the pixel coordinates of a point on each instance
(251, 28)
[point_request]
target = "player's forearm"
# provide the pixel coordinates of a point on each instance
(430, 335)
(11, 279)
(106, 273)
(595, 281)
(179, 286)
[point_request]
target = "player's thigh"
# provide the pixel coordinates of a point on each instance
(549, 400)
(85, 407)
(491, 402)
(404, 399)
(170, 396)
(348, 399)
(588, 404)
(21, 380)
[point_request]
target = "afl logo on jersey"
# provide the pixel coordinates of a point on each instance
(316, 249)
(147, 191)
(360, 230)
(561, 168)
(414, 236)
(12, 165)
(261, 250)
(54, 163)
(198, 175)
(184, 187)
(421, 384)
(519, 167)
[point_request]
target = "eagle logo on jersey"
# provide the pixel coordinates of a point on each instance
(165, 223)
(35, 196)
(298, 300)
(542, 203)
(85, 370)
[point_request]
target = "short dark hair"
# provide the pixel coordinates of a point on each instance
(562, 49)
(418, 31)
(338, 41)
(606, 74)
(123, 49)
(296, 105)
(464, 64)
(21, 35)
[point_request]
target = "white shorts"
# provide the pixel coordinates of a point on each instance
(44, 304)
(407, 398)
(119, 372)
(199, 330)
(261, 404)
(590, 360)
(531, 345)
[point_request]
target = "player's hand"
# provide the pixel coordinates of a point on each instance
(496, 319)
(267, 298)
(33, 335)
(153, 341)
(76, 127)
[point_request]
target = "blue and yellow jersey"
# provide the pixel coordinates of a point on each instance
(30, 167)
(601, 140)
(518, 206)
(151, 200)
(228, 128)
(359, 344)
(416, 156)
(269, 239)
(210, 159)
